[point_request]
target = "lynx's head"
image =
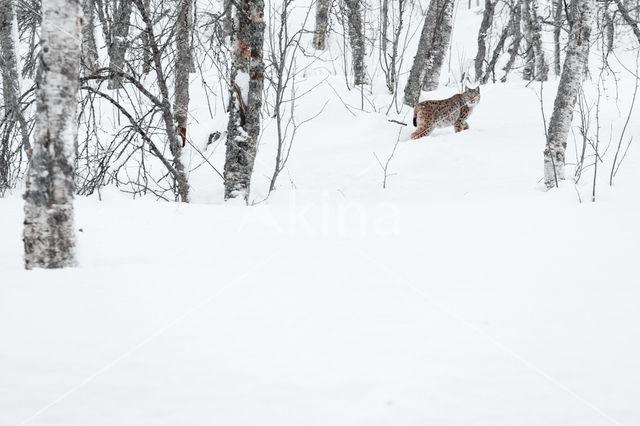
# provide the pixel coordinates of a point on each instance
(471, 96)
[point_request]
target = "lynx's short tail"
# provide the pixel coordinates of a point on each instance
(415, 118)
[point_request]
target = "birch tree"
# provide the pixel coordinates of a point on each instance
(516, 33)
(536, 67)
(89, 48)
(572, 73)
(118, 40)
(183, 65)
(557, 27)
(356, 37)
(437, 15)
(439, 45)
(322, 24)
(11, 91)
(245, 98)
(485, 25)
(49, 237)
(390, 38)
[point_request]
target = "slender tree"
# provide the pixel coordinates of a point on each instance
(89, 48)
(439, 45)
(118, 43)
(322, 24)
(245, 100)
(516, 33)
(11, 90)
(536, 67)
(436, 16)
(183, 67)
(49, 237)
(633, 23)
(558, 6)
(356, 37)
(572, 74)
(485, 25)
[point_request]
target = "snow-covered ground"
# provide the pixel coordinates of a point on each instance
(463, 294)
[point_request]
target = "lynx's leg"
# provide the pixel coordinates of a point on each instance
(460, 125)
(423, 130)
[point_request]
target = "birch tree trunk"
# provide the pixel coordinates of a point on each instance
(514, 47)
(181, 187)
(356, 37)
(536, 66)
(570, 81)
(425, 45)
(439, 45)
(628, 19)
(146, 44)
(118, 42)
(245, 100)
(49, 237)
(11, 91)
(227, 23)
(183, 67)
(89, 48)
(557, 21)
(485, 25)
(322, 24)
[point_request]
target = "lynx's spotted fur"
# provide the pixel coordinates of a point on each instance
(453, 111)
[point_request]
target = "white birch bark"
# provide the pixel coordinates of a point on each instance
(516, 33)
(322, 24)
(485, 25)
(557, 21)
(89, 48)
(11, 90)
(536, 66)
(118, 43)
(437, 9)
(624, 11)
(245, 100)
(439, 45)
(570, 81)
(356, 37)
(49, 237)
(183, 66)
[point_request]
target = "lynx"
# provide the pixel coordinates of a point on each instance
(453, 111)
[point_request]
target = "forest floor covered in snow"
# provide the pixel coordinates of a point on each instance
(462, 294)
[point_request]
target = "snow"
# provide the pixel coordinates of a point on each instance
(242, 81)
(463, 294)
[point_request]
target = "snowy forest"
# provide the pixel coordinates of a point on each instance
(336, 212)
